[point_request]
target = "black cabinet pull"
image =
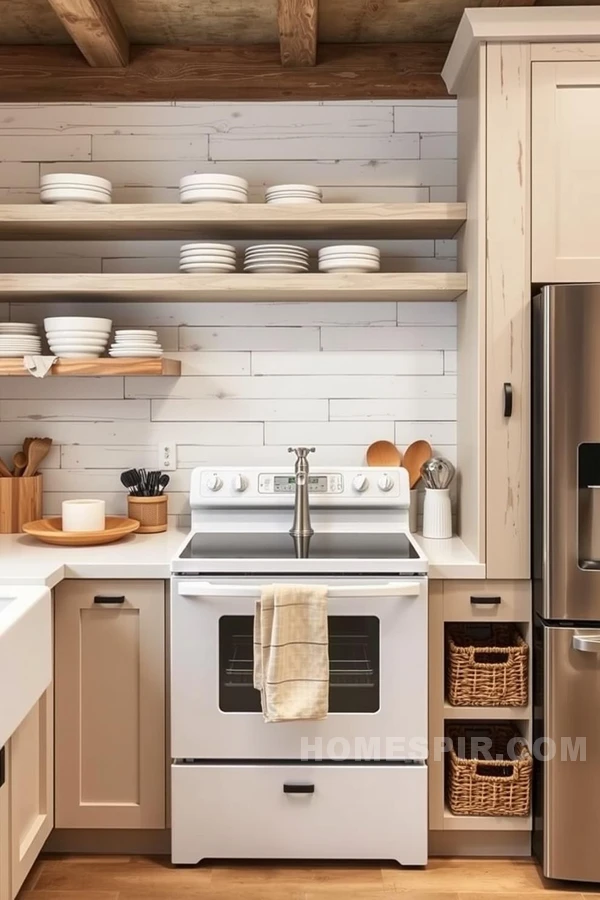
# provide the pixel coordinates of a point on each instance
(486, 601)
(2, 766)
(289, 788)
(508, 399)
(100, 598)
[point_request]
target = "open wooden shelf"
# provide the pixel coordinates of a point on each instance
(236, 287)
(98, 367)
(197, 221)
(487, 713)
(485, 823)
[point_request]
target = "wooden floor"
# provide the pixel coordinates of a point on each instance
(145, 878)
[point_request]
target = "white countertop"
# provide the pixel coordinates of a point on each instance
(23, 560)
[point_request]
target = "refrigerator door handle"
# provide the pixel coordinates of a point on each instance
(588, 644)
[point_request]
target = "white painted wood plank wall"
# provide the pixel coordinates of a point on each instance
(256, 377)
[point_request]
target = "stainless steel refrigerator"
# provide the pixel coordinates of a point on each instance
(566, 586)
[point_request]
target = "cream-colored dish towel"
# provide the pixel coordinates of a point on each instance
(291, 652)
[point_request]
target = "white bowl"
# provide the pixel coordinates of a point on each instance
(212, 179)
(78, 343)
(93, 181)
(213, 196)
(79, 323)
(58, 336)
(74, 187)
(73, 195)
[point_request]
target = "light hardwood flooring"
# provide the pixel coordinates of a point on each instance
(70, 877)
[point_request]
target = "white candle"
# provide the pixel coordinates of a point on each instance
(83, 515)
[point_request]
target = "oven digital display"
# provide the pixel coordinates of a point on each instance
(286, 484)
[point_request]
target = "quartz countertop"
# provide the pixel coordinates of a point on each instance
(23, 560)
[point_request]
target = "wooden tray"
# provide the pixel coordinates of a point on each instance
(49, 531)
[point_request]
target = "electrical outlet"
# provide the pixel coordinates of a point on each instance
(167, 457)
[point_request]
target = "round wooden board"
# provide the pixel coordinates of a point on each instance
(49, 531)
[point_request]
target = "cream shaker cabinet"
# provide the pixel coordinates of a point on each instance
(110, 704)
(565, 117)
(31, 795)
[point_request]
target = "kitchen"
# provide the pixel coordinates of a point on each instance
(431, 346)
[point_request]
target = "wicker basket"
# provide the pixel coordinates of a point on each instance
(150, 512)
(476, 786)
(486, 665)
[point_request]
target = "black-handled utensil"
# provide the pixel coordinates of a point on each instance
(163, 482)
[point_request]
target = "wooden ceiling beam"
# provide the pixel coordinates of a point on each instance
(96, 29)
(36, 74)
(297, 22)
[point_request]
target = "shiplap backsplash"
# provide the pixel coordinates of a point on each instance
(256, 377)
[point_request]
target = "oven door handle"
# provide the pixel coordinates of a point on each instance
(391, 589)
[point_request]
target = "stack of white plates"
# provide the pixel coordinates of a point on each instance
(281, 194)
(207, 258)
(349, 258)
(19, 339)
(77, 337)
(284, 258)
(213, 188)
(135, 343)
(74, 188)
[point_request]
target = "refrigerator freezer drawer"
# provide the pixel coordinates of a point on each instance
(299, 812)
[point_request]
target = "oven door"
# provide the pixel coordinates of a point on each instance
(378, 673)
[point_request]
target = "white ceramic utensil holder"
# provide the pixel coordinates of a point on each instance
(83, 515)
(413, 512)
(437, 514)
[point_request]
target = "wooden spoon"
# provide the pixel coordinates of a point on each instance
(4, 470)
(383, 453)
(20, 463)
(38, 450)
(415, 455)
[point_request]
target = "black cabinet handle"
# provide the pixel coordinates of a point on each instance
(100, 598)
(508, 399)
(2, 766)
(290, 788)
(486, 601)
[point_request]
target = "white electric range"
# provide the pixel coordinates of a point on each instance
(353, 785)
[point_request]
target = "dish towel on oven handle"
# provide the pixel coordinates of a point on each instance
(291, 652)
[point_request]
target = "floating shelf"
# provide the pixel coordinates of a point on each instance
(99, 367)
(487, 712)
(485, 823)
(236, 287)
(172, 221)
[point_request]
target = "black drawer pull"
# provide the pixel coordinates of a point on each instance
(101, 598)
(508, 399)
(290, 788)
(486, 601)
(2, 766)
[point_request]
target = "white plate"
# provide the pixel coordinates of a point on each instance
(202, 245)
(16, 354)
(65, 186)
(348, 267)
(9, 343)
(136, 348)
(136, 338)
(75, 178)
(145, 331)
(74, 197)
(297, 201)
(213, 197)
(75, 354)
(295, 247)
(208, 258)
(20, 327)
(129, 354)
(312, 188)
(212, 178)
(83, 323)
(350, 249)
(278, 195)
(274, 267)
(277, 254)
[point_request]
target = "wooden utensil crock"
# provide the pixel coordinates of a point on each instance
(20, 502)
(150, 512)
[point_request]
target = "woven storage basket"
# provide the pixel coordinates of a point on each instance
(477, 786)
(486, 665)
(150, 512)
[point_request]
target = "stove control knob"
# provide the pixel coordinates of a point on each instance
(214, 483)
(240, 483)
(386, 483)
(360, 483)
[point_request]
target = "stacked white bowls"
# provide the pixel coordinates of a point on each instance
(213, 188)
(283, 258)
(77, 337)
(207, 258)
(349, 258)
(286, 194)
(135, 343)
(74, 188)
(19, 339)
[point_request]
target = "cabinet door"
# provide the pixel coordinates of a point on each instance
(31, 788)
(565, 171)
(4, 824)
(110, 704)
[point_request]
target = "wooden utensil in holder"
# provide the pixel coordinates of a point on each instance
(150, 512)
(20, 502)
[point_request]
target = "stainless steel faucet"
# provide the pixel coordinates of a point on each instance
(301, 527)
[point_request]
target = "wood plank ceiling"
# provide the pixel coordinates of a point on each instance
(76, 50)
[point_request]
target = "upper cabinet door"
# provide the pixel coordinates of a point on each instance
(565, 171)
(110, 704)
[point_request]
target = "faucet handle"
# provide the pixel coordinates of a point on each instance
(301, 452)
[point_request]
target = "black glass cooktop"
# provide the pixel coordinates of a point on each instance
(281, 545)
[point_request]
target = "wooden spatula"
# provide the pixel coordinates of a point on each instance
(4, 470)
(383, 453)
(19, 463)
(37, 452)
(416, 454)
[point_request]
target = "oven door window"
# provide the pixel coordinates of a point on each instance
(354, 649)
